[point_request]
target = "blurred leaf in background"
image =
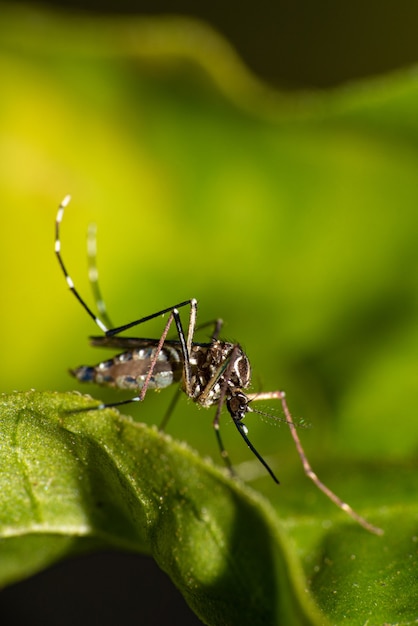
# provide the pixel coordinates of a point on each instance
(293, 218)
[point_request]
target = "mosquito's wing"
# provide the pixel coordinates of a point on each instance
(129, 343)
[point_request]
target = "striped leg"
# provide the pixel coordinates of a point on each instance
(280, 395)
(93, 274)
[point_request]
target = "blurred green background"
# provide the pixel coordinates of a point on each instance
(291, 216)
(294, 44)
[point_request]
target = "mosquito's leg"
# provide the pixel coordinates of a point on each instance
(170, 409)
(217, 327)
(184, 345)
(192, 325)
(111, 405)
(280, 395)
(222, 449)
(69, 280)
(115, 331)
(93, 274)
(110, 332)
(186, 356)
(227, 368)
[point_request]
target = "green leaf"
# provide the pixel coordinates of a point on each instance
(360, 579)
(72, 480)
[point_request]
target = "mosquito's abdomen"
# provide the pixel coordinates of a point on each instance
(129, 370)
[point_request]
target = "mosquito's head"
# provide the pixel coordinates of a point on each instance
(237, 404)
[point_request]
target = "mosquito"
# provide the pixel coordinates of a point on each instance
(212, 374)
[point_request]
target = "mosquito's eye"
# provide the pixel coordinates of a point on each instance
(237, 406)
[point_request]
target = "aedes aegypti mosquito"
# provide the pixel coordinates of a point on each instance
(211, 374)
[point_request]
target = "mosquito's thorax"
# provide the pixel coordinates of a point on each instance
(216, 366)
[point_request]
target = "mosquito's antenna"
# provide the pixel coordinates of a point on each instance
(70, 283)
(93, 274)
(269, 416)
